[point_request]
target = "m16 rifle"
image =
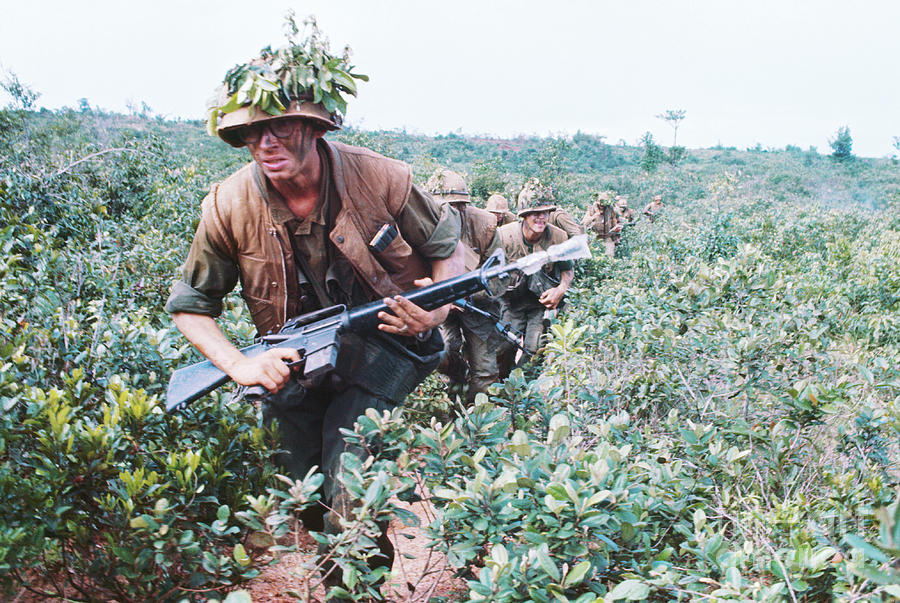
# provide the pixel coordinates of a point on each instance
(317, 335)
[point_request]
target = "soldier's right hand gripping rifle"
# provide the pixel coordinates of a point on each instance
(317, 335)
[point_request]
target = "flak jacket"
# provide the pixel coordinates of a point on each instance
(373, 190)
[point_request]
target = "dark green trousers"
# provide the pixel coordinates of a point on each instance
(377, 372)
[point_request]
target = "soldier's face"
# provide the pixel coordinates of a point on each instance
(536, 221)
(281, 154)
(499, 216)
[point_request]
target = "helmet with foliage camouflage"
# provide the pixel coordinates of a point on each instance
(535, 197)
(302, 79)
(604, 198)
(448, 186)
(497, 203)
(621, 202)
(528, 189)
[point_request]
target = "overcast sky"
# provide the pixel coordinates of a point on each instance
(769, 72)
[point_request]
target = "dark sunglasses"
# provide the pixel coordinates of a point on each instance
(279, 128)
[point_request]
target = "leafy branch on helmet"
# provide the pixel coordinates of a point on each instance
(304, 69)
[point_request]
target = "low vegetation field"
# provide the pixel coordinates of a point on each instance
(715, 416)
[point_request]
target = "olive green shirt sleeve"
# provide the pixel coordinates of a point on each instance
(208, 275)
(564, 220)
(432, 229)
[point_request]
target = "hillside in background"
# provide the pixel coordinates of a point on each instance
(716, 415)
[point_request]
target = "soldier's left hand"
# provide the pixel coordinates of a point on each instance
(406, 318)
(551, 297)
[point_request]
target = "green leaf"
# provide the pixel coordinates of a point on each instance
(629, 590)
(543, 556)
(877, 576)
(557, 491)
(123, 554)
(577, 574)
(240, 555)
(733, 576)
(893, 589)
(865, 548)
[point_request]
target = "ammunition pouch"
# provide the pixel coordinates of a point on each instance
(387, 366)
(540, 281)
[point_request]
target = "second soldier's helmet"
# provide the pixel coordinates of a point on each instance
(535, 197)
(448, 186)
(497, 203)
(604, 198)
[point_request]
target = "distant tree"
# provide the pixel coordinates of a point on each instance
(897, 143)
(673, 117)
(653, 153)
(23, 96)
(842, 144)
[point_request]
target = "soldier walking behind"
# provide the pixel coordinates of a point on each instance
(559, 217)
(602, 220)
(529, 297)
(499, 206)
(470, 340)
(654, 208)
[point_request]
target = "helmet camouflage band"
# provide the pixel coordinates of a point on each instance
(448, 186)
(300, 80)
(497, 203)
(535, 197)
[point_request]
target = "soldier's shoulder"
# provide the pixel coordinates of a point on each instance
(509, 229)
(557, 234)
(364, 155)
(480, 217)
(234, 189)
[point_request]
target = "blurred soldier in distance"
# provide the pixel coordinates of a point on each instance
(470, 340)
(602, 220)
(499, 206)
(654, 208)
(623, 212)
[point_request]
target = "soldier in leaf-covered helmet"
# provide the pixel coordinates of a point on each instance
(309, 224)
(559, 217)
(470, 339)
(601, 218)
(529, 298)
